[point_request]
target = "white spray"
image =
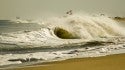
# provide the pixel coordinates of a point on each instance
(87, 27)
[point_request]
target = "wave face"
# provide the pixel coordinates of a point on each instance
(63, 30)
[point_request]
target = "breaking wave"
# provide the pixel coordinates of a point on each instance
(85, 27)
(64, 30)
(61, 38)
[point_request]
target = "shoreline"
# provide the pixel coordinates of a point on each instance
(109, 62)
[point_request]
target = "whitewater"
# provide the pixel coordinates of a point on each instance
(61, 38)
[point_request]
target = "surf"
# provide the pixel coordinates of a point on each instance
(58, 30)
(61, 38)
(86, 27)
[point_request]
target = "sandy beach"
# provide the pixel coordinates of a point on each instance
(112, 62)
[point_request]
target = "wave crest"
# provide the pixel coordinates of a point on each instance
(86, 27)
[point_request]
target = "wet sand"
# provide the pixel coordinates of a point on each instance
(112, 62)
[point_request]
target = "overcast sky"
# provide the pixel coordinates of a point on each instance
(9, 9)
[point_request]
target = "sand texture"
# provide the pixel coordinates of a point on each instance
(112, 62)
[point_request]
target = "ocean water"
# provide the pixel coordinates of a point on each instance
(59, 38)
(7, 26)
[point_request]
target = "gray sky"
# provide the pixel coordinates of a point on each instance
(9, 9)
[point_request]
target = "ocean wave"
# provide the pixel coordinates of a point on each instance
(61, 38)
(64, 30)
(87, 27)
